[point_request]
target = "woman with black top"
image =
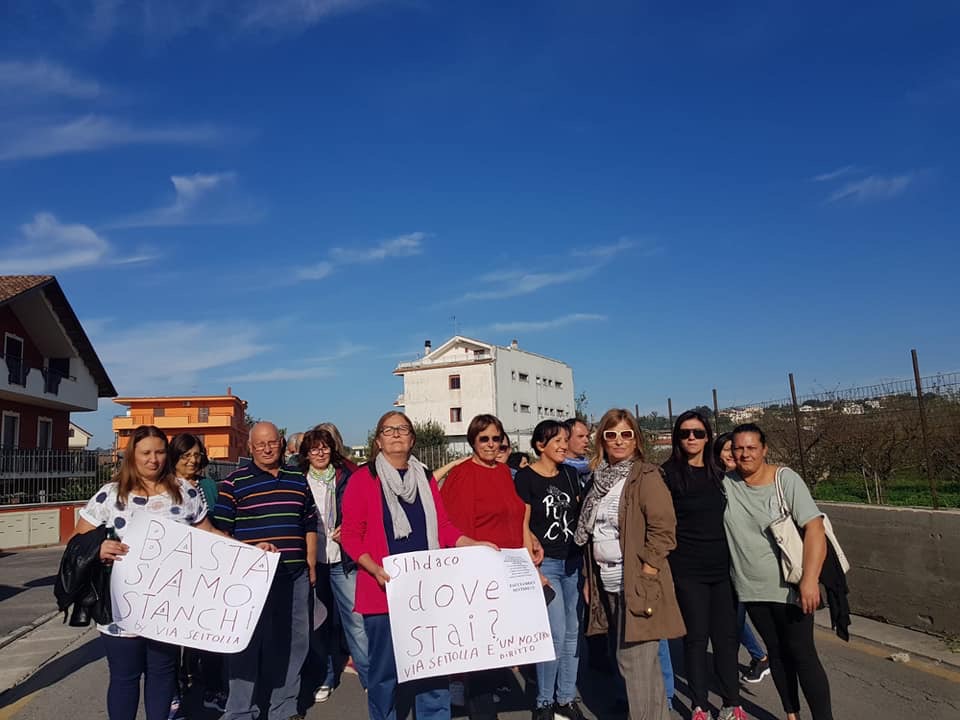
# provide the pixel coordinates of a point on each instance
(550, 492)
(701, 566)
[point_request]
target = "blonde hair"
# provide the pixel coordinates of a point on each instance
(612, 417)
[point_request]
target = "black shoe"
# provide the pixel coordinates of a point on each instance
(542, 713)
(757, 670)
(569, 711)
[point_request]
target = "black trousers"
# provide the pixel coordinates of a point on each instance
(788, 635)
(709, 611)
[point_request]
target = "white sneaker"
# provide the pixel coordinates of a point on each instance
(323, 693)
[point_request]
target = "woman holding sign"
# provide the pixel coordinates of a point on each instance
(392, 506)
(550, 491)
(628, 525)
(144, 485)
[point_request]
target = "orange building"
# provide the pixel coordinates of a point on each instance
(217, 419)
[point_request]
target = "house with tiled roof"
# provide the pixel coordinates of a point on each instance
(48, 367)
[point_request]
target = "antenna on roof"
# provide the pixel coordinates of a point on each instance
(456, 330)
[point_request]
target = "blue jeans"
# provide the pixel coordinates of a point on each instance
(666, 668)
(128, 660)
(276, 652)
(747, 638)
(344, 590)
(560, 676)
(431, 695)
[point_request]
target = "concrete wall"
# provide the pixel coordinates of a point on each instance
(905, 564)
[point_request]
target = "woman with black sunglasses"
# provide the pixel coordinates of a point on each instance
(701, 566)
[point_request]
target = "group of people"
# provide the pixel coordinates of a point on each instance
(628, 551)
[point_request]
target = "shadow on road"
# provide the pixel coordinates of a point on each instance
(55, 671)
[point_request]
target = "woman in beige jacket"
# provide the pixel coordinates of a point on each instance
(628, 524)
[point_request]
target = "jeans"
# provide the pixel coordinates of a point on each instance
(344, 590)
(128, 660)
(431, 695)
(788, 634)
(279, 646)
(709, 611)
(666, 669)
(564, 615)
(747, 638)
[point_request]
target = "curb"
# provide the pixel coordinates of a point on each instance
(28, 628)
(951, 660)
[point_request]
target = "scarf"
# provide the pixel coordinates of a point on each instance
(605, 477)
(397, 488)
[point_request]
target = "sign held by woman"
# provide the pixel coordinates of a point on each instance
(464, 609)
(189, 587)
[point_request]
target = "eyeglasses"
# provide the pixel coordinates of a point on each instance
(504, 448)
(684, 433)
(187, 457)
(401, 430)
(261, 446)
(319, 450)
(484, 439)
(611, 435)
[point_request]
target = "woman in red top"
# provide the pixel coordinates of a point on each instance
(481, 500)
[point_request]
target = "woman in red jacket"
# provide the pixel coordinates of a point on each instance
(392, 506)
(482, 500)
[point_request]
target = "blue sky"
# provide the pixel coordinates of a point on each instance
(289, 197)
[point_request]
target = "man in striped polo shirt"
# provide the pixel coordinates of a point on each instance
(266, 503)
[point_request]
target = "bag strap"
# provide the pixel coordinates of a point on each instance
(784, 508)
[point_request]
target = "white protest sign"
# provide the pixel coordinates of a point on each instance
(190, 587)
(458, 610)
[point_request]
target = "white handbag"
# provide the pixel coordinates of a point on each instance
(787, 536)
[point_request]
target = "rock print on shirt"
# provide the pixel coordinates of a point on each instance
(556, 503)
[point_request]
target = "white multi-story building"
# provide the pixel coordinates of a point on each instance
(464, 377)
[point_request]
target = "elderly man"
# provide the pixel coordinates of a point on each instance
(264, 502)
(292, 456)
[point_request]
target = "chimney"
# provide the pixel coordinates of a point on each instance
(427, 347)
(229, 390)
(514, 345)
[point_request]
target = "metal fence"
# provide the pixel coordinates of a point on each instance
(46, 476)
(895, 442)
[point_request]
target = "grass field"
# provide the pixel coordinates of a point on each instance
(905, 488)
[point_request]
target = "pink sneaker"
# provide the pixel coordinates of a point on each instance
(699, 714)
(732, 713)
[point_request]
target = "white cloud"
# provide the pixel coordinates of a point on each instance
(401, 246)
(165, 358)
(296, 14)
(317, 271)
(605, 251)
(46, 245)
(536, 326)
(518, 283)
(27, 139)
(834, 174)
(44, 79)
(199, 199)
(344, 350)
(282, 374)
(873, 187)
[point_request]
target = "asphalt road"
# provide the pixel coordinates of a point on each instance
(26, 585)
(865, 684)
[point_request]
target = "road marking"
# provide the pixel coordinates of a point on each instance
(882, 651)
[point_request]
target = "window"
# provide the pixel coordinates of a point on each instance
(454, 382)
(10, 433)
(513, 374)
(13, 354)
(538, 379)
(524, 377)
(456, 415)
(159, 412)
(558, 385)
(72, 433)
(203, 414)
(524, 408)
(540, 411)
(515, 407)
(44, 433)
(477, 354)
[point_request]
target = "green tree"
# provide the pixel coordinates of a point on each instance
(580, 403)
(430, 434)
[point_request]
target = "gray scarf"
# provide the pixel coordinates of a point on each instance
(396, 488)
(605, 477)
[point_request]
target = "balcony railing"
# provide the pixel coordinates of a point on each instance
(446, 360)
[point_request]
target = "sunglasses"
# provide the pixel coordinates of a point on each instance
(612, 435)
(684, 433)
(504, 448)
(484, 439)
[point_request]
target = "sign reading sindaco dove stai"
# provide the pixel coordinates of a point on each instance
(458, 610)
(190, 587)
